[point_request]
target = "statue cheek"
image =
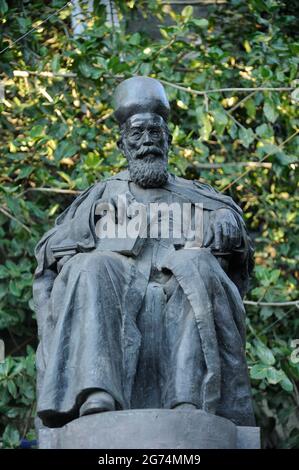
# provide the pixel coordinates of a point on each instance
(129, 148)
(133, 145)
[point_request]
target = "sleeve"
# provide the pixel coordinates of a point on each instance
(67, 229)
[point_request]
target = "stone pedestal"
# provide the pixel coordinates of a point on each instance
(150, 429)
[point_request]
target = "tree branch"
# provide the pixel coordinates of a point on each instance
(26, 73)
(262, 159)
(10, 216)
(273, 304)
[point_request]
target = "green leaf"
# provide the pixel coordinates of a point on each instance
(266, 312)
(273, 376)
(37, 131)
(66, 177)
(187, 12)
(220, 120)
(295, 94)
(258, 371)
(250, 108)
(56, 63)
(246, 136)
(85, 69)
(24, 24)
(206, 128)
(14, 288)
(12, 388)
(135, 39)
(65, 149)
(264, 131)
(25, 172)
(270, 111)
(232, 130)
(146, 68)
(89, 71)
(286, 384)
(216, 53)
(59, 130)
(13, 268)
(12, 413)
(274, 275)
(265, 72)
(264, 353)
(11, 437)
(285, 159)
(3, 7)
(4, 273)
(200, 22)
(220, 116)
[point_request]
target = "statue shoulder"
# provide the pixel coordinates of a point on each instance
(228, 200)
(91, 194)
(216, 198)
(203, 186)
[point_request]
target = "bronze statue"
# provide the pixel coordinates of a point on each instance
(143, 322)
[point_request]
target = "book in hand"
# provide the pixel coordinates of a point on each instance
(66, 250)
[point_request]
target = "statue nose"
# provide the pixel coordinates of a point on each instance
(147, 140)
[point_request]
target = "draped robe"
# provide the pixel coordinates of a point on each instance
(153, 324)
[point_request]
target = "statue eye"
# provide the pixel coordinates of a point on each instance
(135, 133)
(155, 132)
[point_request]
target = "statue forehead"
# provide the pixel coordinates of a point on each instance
(145, 118)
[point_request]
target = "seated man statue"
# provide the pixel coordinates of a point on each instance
(144, 320)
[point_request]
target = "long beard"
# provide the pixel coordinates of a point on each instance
(149, 171)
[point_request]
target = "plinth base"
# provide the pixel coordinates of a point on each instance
(150, 429)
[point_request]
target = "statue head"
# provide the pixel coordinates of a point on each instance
(142, 110)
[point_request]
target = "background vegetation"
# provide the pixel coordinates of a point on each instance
(58, 137)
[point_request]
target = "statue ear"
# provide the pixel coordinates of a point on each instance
(169, 139)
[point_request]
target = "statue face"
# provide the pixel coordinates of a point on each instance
(145, 142)
(146, 135)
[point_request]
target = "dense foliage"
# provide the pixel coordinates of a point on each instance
(57, 132)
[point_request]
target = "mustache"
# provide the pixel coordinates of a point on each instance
(144, 151)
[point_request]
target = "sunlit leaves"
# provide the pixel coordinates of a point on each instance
(70, 142)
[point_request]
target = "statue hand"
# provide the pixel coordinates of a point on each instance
(223, 233)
